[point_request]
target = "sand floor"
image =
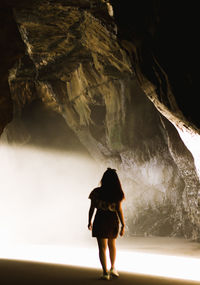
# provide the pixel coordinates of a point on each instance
(23, 264)
(32, 273)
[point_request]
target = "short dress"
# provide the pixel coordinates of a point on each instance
(106, 221)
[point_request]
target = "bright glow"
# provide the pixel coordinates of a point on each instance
(44, 212)
(44, 195)
(192, 142)
(127, 261)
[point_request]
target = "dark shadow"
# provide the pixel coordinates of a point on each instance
(48, 129)
(24, 272)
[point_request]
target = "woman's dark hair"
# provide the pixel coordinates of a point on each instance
(111, 189)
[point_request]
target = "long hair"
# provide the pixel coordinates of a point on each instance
(111, 189)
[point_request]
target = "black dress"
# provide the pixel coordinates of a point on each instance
(106, 221)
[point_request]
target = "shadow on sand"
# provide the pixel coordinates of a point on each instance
(23, 272)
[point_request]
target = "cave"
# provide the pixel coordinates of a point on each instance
(115, 82)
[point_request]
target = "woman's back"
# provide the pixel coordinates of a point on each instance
(99, 202)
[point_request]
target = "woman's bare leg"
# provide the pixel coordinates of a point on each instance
(112, 252)
(102, 243)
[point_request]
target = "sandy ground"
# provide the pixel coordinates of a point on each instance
(20, 272)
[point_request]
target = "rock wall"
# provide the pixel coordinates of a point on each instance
(161, 39)
(80, 73)
(10, 35)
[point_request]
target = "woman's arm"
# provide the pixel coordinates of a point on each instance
(91, 212)
(121, 217)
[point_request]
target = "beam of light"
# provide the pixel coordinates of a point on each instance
(44, 195)
(44, 211)
(191, 140)
(127, 261)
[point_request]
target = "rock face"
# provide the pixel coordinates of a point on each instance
(8, 28)
(162, 44)
(82, 85)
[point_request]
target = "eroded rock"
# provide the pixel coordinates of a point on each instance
(77, 70)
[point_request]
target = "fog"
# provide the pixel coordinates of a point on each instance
(44, 214)
(44, 195)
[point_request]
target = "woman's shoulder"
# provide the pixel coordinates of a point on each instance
(94, 193)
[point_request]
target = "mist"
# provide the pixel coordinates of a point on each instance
(44, 214)
(44, 195)
(46, 177)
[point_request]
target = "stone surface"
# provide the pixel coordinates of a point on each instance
(161, 40)
(9, 54)
(85, 76)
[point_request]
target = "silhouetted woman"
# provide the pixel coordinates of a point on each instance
(107, 199)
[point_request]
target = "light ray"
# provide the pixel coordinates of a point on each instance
(44, 211)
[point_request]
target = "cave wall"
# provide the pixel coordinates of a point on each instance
(189, 201)
(161, 40)
(92, 73)
(9, 54)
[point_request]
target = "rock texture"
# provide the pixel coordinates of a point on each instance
(161, 40)
(163, 45)
(9, 55)
(84, 78)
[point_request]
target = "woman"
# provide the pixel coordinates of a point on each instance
(107, 199)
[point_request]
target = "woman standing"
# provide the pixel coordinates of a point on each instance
(107, 199)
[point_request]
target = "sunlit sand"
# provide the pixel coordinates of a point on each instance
(152, 262)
